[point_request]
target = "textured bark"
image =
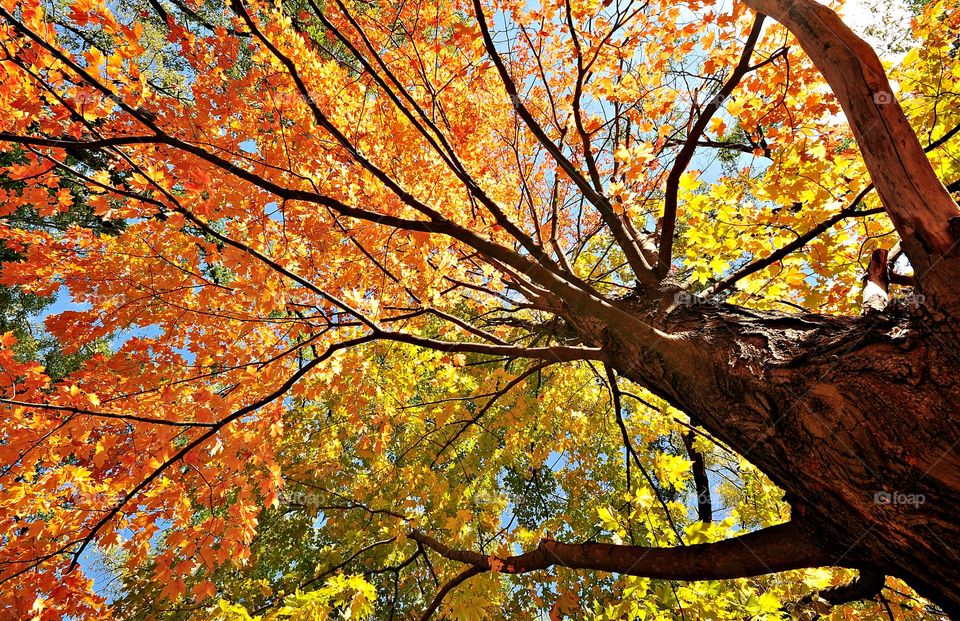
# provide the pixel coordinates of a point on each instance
(855, 418)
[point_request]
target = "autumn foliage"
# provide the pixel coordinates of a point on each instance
(334, 310)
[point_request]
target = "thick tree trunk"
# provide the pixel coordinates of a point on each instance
(857, 419)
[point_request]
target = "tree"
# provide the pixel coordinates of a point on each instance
(427, 266)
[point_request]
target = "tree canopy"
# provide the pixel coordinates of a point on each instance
(356, 301)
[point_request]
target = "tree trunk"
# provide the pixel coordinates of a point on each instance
(855, 418)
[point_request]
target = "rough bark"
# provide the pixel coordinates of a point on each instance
(855, 418)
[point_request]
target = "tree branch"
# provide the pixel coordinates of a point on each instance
(700, 480)
(202, 439)
(574, 293)
(109, 415)
(850, 211)
(668, 223)
(774, 549)
(456, 581)
(632, 452)
(642, 270)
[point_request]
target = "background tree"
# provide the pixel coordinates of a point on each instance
(415, 302)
